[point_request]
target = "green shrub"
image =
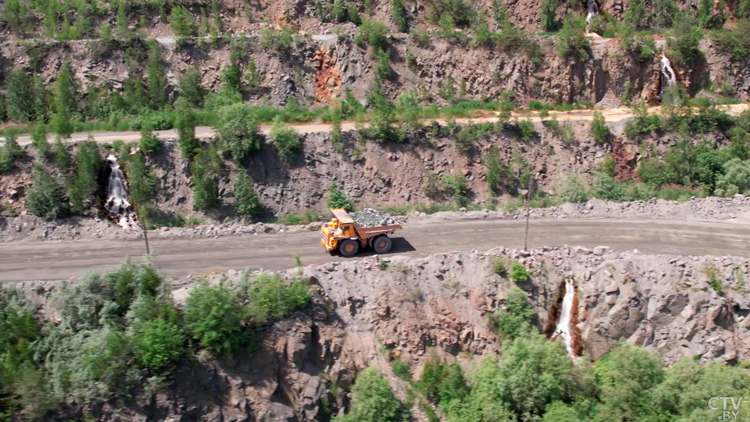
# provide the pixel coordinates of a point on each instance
(286, 140)
(573, 191)
(458, 187)
(202, 177)
(238, 130)
(47, 198)
(373, 33)
(518, 272)
(573, 41)
(515, 317)
(383, 68)
(606, 188)
(401, 369)
(337, 199)
(398, 14)
(281, 41)
(246, 201)
(141, 180)
(683, 45)
(736, 42)
(40, 142)
(215, 318)
(736, 178)
(269, 296)
(599, 129)
(500, 267)
(548, 11)
(498, 172)
(182, 23)
(158, 343)
(149, 143)
(185, 124)
(526, 130)
(372, 400)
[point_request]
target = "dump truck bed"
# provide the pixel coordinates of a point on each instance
(369, 232)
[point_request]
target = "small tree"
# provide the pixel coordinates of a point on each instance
(191, 89)
(599, 129)
(337, 199)
(246, 201)
(286, 140)
(185, 124)
(398, 14)
(85, 184)
(497, 171)
(10, 151)
(47, 198)
(202, 174)
(40, 142)
(150, 143)
(372, 400)
(238, 130)
(515, 318)
(573, 191)
(548, 10)
(182, 24)
(518, 272)
(158, 343)
(214, 317)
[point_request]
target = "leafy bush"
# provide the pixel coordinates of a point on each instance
(237, 126)
(642, 123)
(573, 41)
(515, 318)
(337, 199)
(683, 46)
(548, 11)
(498, 172)
(526, 130)
(202, 177)
(158, 343)
(401, 368)
(281, 41)
(457, 186)
(373, 33)
(215, 318)
(47, 198)
(736, 178)
(599, 129)
(149, 143)
(398, 14)
(268, 296)
(518, 272)
(141, 180)
(372, 400)
(736, 42)
(246, 201)
(573, 191)
(286, 140)
(534, 372)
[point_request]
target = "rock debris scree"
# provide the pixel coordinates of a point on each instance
(117, 197)
(369, 217)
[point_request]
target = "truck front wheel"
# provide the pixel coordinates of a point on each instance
(349, 247)
(382, 244)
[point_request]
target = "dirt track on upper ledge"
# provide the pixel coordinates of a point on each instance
(611, 115)
(56, 260)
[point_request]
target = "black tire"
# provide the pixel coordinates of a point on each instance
(382, 244)
(349, 247)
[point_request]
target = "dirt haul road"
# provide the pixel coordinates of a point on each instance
(178, 257)
(611, 115)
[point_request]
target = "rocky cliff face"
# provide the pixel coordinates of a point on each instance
(369, 311)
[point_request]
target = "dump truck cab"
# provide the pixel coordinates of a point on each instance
(343, 235)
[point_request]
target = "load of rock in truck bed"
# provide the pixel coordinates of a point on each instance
(369, 217)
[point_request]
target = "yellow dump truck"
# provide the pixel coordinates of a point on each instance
(343, 235)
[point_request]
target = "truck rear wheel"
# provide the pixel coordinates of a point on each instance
(349, 247)
(382, 244)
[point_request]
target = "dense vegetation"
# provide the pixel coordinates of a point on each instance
(119, 333)
(535, 380)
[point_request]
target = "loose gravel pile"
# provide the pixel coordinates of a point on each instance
(369, 217)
